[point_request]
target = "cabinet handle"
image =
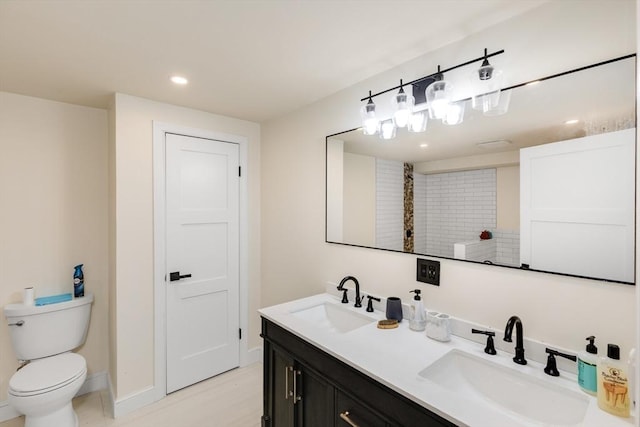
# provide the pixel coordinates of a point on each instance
(286, 382)
(296, 397)
(345, 416)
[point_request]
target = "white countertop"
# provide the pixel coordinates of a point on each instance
(394, 357)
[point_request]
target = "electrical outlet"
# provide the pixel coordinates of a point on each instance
(428, 271)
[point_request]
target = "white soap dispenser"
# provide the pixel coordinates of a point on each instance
(418, 320)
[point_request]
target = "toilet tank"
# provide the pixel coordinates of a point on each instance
(48, 329)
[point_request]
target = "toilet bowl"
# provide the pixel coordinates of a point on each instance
(42, 390)
(44, 336)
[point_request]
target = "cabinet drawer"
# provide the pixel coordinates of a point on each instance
(359, 414)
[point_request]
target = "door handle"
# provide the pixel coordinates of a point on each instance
(175, 275)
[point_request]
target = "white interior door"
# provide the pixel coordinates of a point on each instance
(577, 204)
(202, 235)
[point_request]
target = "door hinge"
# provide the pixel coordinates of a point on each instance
(239, 170)
(240, 333)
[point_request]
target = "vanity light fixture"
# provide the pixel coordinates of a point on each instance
(402, 105)
(433, 97)
(179, 80)
(370, 122)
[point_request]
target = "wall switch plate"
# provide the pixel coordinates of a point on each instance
(428, 271)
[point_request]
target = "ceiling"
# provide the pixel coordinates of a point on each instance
(254, 60)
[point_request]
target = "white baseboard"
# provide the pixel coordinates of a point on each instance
(7, 412)
(133, 401)
(94, 382)
(149, 395)
(252, 356)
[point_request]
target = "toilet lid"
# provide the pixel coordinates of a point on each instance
(47, 374)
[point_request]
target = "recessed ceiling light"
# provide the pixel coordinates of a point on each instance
(571, 122)
(179, 80)
(424, 145)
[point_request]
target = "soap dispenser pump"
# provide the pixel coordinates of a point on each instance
(418, 320)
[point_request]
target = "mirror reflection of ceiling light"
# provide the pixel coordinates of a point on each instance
(571, 122)
(500, 143)
(179, 80)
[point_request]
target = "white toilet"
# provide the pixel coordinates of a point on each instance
(45, 336)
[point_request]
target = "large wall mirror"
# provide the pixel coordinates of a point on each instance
(549, 186)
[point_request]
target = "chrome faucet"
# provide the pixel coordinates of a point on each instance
(515, 320)
(358, 297)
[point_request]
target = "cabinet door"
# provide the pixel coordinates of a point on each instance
(315, 407)
(350, 413)
(282, 377)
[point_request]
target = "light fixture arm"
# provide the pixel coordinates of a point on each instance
(484, 57)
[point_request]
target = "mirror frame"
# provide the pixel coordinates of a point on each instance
(326, 225)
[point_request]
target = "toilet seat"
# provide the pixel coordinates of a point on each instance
(48, 374)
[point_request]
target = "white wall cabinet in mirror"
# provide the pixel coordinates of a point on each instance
(467, 179)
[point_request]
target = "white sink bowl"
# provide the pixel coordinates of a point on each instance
(333, 317)
(528, 398)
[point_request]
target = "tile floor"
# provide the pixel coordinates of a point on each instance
(232, 399)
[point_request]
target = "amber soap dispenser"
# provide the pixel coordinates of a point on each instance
(613, 383)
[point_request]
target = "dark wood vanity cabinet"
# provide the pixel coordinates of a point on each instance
(306, 387)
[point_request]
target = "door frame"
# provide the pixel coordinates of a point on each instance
(159, 255)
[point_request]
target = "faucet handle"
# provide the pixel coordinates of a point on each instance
(358, 302)
(345, 300)
(489, 348)
(370, 303)
(551, 368)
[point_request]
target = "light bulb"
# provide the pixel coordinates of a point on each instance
(418, 122)
(387, 129)
(455, 113)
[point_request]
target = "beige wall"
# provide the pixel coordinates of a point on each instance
(359, 199)
(508, 198)
(297, 262)
(133, 347)
(53, 215)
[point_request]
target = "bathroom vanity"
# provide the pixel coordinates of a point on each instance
(327, 364)
(305, 386)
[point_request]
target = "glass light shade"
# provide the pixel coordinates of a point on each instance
(438, 96)
(486, 93)
(455, 113)
(503, 105)
(370, 122)
(418, 121)
(387, 129)
(402, 105)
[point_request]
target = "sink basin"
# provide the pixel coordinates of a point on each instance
(333, 317)
(526, 397)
